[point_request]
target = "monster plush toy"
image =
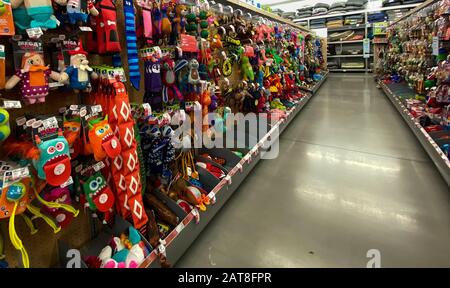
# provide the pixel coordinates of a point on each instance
(98, 194)
(79, 73)
(58, 195)
(33, 77)
(53, 164)
(102, 141)
(40, 12)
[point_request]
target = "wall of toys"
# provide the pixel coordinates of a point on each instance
(413, 70)
(92, 92)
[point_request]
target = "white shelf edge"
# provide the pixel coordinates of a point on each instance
(346, 42)
(347, 56)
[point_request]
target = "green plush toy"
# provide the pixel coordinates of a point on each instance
(247, 69)
(191, 26)
(203, 24)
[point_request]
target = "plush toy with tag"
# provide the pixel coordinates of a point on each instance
(170, 89)
(53, 164)
(178, 23)
(16, 198)
(166, 26)
(40, 12)
(79, 73)
(193, 76)
(126, 251)
(58, 195)
(102, 141)
(98, 194)
(77, 10)
(247, 69)
(34, 77)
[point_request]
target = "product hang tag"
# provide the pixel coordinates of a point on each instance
(98, 166)
(147, 109)
(55, 84)
(34, 33)
(96, 109)
(67, 183)
(10, 104)
(85, 28)
(14, 175)
(21, 121)
(50, 122)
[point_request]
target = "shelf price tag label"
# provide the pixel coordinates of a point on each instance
(366, 48)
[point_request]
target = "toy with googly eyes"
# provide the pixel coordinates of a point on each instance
(98, 194)
(53, 164)
(102, 141)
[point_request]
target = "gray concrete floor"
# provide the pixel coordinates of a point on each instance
(350, 177)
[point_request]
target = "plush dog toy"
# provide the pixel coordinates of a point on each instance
(40, 12)
(102, 141)
(33, 77)
(78, 73)
(53, 164)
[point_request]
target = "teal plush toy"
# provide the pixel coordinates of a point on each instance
(39, 11)
(53, 164)
(21, 19)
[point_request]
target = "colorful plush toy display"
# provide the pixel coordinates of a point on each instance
(118, 136)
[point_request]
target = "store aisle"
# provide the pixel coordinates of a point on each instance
(350, 177)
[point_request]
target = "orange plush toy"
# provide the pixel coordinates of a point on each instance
(102, 141)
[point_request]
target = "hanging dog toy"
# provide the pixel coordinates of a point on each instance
(170, 89)
(33, 77)
(79, 72)
(40, 12)
(53, 164)
(102, 141)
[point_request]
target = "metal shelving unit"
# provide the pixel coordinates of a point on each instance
(408, 6)
(179, 240)
(358, 27)
(348, 56)
(349, 27)
(349, 70)
(346, 42)
(434, 151)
